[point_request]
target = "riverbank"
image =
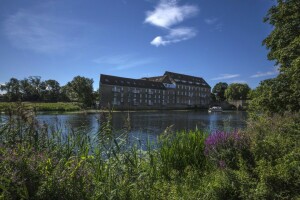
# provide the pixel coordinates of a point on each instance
(42, 107)
(70, 107)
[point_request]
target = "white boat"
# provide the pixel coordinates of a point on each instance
(215, 109)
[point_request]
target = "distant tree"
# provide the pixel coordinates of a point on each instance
(63, 94)
(50, 90)
(31, 88)
(219, 91)
(80, 89)
(237, 91)
(213, 97)
(284, 48)
(25, 89)
(12, 89)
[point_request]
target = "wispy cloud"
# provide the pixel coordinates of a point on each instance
(121, 62)
(175, 35)
(215, 23)
(237, 81)
(226, 76)
(275, 71)
(41, 32)
(167, 14)
(210, 21)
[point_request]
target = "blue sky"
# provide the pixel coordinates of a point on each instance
(216, 39)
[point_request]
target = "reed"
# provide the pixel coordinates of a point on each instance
(59, 106)
(41, 162)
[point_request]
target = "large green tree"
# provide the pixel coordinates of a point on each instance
(50, 90)
(219, 91)
(283, 92)
(80, 89)
(237, 91)
(12, 90)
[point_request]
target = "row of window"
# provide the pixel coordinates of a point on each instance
(185, 87)
(156, 91)
(150, 102)
(185, 93)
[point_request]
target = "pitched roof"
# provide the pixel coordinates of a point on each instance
(129, 82)
(163, 79)
(187, 79)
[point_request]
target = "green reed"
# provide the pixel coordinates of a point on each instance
(41, 162)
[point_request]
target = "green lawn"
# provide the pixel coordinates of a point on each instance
(59, 106)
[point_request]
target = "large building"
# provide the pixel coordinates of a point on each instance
(170, 91)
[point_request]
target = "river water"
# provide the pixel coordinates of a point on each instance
(149, 124)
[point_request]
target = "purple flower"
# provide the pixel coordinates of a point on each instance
(222, 147)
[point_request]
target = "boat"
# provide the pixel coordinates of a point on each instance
(215, 109)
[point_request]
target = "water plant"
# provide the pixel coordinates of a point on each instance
(40, 162)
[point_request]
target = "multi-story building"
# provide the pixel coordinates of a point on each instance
(170, 91)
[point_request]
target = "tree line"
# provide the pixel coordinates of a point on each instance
(34, 89)
(235, 91)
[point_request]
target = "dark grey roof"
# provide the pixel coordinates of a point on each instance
(163, 79)
(129, 82)
(187, 79)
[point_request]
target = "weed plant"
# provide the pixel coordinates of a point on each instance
(38, 162)
(59, 106)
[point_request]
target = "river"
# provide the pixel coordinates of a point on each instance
(149, 124)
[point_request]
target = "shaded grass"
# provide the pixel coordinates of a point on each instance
(59, 106)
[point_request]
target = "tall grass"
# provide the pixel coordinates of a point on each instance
(59, 106)
(38, 162)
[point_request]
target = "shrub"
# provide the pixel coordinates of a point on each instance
(224, 148)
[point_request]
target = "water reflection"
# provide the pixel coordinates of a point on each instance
(150, 124)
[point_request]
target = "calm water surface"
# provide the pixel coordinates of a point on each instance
(148, 125)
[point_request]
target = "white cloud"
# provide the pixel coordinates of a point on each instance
(275, 71)
(210, 21)
(41, 33)
(121, 62)
(238, 81)
(167, 14)
(215, 23)
(226, 76)
(175, 35)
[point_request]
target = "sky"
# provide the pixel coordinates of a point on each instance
(218, 40)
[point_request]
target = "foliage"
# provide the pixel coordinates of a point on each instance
(40, 162)
(59, 106)
(224, 148)
(237, 91)
(219, 91)
(33, 89)
(12, 89)
(284, 44)
(80, 89)
(284, 40)
(182, 149)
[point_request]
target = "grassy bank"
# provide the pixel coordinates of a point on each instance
(59, 106)
(259, 163)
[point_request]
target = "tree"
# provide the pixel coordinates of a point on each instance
(237, 91)
(80, 89)
(12, 88)
(31, 88)
(284, 48)
(219, 91)
(50, 90)
(284, 41)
